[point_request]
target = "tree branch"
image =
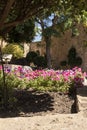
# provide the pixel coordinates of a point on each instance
(6, 11)
(23, 10)
(19, 21)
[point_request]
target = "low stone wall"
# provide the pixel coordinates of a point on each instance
(82, 100)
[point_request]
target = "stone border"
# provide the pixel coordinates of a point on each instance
(81, 99)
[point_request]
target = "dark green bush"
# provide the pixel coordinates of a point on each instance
(72, 53)
(63, 63)
(73, 60)
(78, 61)
(30, 56)
(40, 61)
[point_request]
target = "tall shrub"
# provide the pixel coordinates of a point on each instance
(14, 49)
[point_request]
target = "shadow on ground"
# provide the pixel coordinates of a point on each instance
(33, 103)
(29, 103)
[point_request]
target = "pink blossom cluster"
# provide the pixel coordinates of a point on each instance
(74, 75)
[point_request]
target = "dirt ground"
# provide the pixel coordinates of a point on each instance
(33, 103)
(45, 122)
(43, 111)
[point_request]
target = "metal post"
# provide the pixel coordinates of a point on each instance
(5, 90)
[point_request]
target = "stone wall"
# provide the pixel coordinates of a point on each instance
(61, 45)
(38, 46)
(26, 48)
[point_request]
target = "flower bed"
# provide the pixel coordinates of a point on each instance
(43, 80)
(47, 90)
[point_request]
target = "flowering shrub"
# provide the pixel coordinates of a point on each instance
(44, 80)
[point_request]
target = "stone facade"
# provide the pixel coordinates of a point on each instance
(38, 46)
(61, 45)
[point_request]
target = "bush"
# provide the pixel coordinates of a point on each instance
(13, 49)
(20, 61)
(30, 56)
(72, 53)
(63, 63)
(40, 61)
(73, 60)
(78, 61)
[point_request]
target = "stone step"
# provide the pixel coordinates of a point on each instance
(82, 98)
(82, 91)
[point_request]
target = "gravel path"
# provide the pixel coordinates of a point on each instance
(46, 122)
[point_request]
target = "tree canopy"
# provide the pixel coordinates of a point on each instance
(24, 32)
(13, 12)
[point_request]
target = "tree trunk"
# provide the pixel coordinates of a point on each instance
(47, 39)
(48, 55)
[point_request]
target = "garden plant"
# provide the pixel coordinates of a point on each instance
(40, 80)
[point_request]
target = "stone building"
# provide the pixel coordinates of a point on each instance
(61, 45)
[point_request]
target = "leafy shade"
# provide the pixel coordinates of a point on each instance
(14, 12)
(21, 33)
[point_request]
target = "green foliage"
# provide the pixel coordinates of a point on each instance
(63, 63)
(50, 31)
(18, 11)
(41, 84)
(84, 18)
(13, 49)
(78, 61)
(72, 53)
(30, 56)
(40, 61)
(75, 32)
(34, 57)
(11, 82)
(73, 60)
(22, 33)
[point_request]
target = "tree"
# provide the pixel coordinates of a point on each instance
(47, 32)
(14, 12)
(21, 33)
(68, 14)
